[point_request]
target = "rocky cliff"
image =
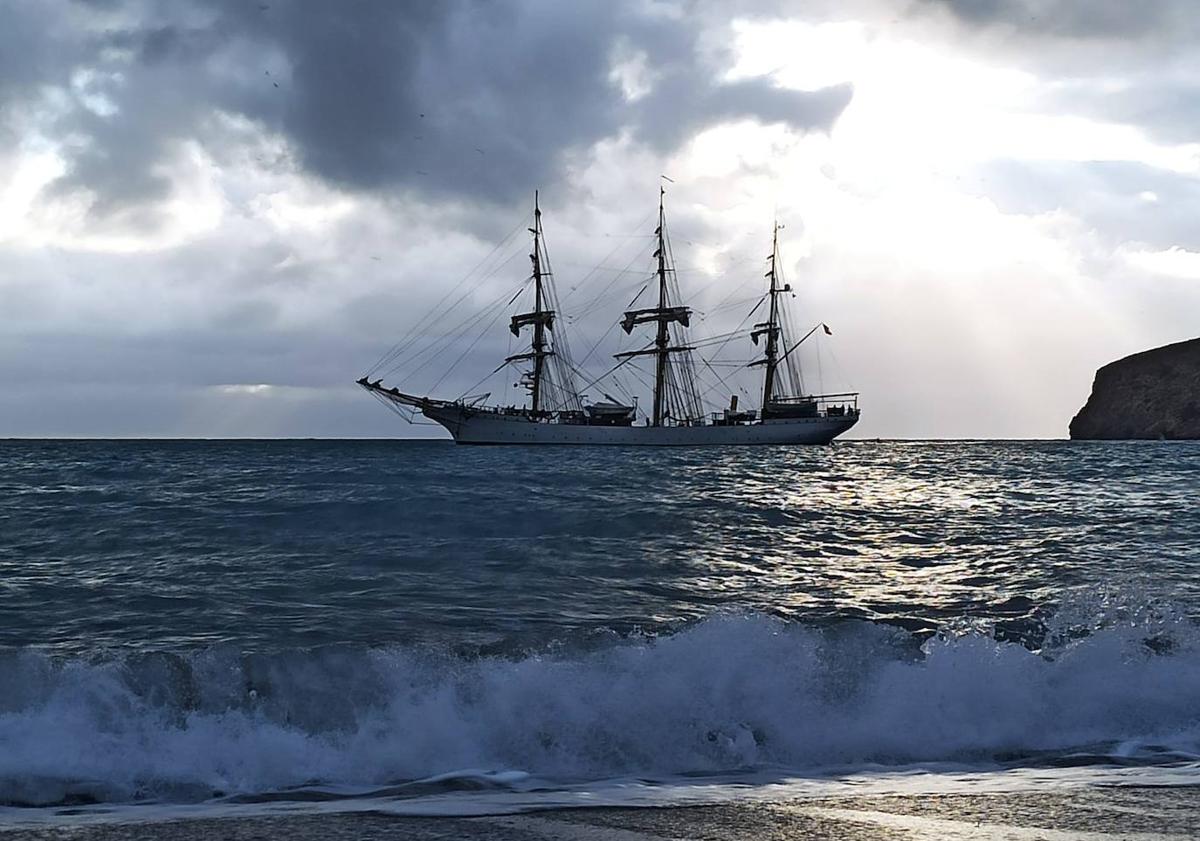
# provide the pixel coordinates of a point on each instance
(1153, 394)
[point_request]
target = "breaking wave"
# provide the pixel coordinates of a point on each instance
(729, 694)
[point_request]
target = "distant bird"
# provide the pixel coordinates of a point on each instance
(373, 257)
(276, 84)
(422, 172)
(422, 116)
(266, 72)
(262, 7)
(477, 149)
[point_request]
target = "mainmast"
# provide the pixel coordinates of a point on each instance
(664, 315)
(540, 318)
(770, 328)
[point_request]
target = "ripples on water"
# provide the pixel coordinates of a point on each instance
(183, 621)
(265, 544)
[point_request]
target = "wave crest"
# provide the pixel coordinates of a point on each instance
(727, 694)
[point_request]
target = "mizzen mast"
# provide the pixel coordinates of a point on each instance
(541, 318)
(664, 314)
(771, 327)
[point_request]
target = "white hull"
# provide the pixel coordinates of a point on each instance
(468, 427)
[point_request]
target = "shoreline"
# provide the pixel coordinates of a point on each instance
(1092, 813)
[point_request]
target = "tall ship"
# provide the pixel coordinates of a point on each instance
(556, 409)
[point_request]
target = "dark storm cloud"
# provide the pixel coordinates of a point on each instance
(481, 99)
(466, 99)
(475, 99)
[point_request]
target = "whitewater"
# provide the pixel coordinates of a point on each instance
(230, 626)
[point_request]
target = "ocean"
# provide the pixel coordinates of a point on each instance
(234, 628)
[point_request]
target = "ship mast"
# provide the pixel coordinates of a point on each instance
(770, 328)
(540, 318)
(539, 325)
(664, 314)
(661, 340)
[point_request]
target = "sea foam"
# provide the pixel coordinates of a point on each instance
(729, 694)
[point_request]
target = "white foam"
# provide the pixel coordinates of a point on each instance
(729, 695)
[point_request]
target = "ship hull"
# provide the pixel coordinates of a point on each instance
(468, 427)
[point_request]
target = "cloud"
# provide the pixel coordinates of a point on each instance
(1173, 262)
(213, 216)
(1119, 200)
(455, 99)
(1131, 63)
(1091, 19)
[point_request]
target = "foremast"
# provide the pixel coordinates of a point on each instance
(663, 315)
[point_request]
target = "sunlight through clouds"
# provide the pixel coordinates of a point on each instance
(978, 229)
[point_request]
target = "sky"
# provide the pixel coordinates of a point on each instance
(216, 214)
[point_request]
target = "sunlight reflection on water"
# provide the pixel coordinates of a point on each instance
(283, 543)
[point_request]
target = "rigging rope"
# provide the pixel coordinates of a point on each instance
(449, 339)
(450, 335)
(405, 342)
(470, 348)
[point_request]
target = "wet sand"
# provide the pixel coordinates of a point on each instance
(1085, 814)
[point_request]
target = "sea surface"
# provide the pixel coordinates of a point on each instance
(220, 627)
